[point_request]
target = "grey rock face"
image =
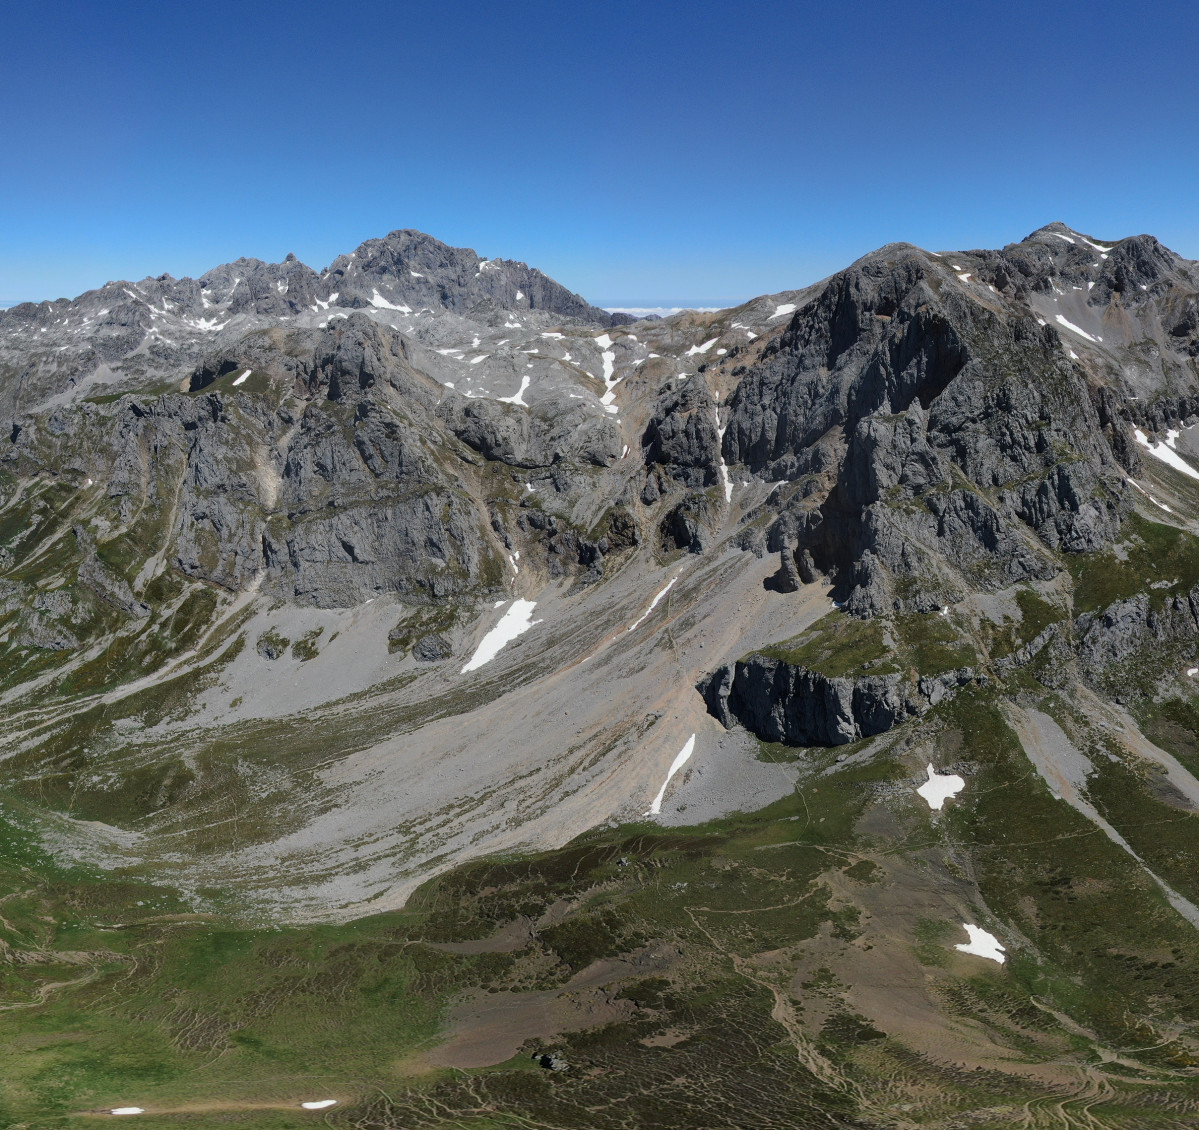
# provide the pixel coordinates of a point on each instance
(957, 442)
(413, 269)
(682, 436)
(782, 702)
(1119, 632)
(107, 586)
(431, 648)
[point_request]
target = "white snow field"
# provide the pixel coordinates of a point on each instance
(515, 622)
(1081, 333)
(940, 787)
(1166, 453)
(240, 379)
(652, 605)
(681, 759)
(981, 944)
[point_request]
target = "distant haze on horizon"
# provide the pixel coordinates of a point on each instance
(652, 151)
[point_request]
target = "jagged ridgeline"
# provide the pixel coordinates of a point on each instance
(693, 683)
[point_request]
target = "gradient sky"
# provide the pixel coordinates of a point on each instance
(642, 154)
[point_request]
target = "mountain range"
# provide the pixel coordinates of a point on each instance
(419, 681)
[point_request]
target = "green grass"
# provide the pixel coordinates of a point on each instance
(185, 1009)
(1153, 551)
(840, 646)
(837, 645)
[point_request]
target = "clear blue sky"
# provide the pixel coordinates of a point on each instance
(640, 153)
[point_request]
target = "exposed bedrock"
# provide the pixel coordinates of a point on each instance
(781, 702)
(958, 444)
(1119, 632)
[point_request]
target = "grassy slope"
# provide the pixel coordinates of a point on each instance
(173, 1012)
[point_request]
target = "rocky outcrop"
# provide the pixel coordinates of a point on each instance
(1123, 630)
(681, 438)
(957, 443)
(783, 702)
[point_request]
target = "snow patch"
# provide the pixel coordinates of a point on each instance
(127, 1110)
(982, 943)
(707, 345)
(1071, 326)
(518, 396)
(515, 622)
(381, 303)
(242, 378)
(681, 759)
(1166, 453)
(725, 481)
(652, 605)
(1068, 240)
(781, 309)
(940, 787)
(319, 1104)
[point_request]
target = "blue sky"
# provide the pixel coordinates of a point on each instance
(640, 153)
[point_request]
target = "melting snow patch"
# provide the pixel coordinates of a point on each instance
(127, 1110)
(750, 334)
(781, 309)
(242, 378)
(515, 622)
(940, 787)
(982, 943)
(319, 1104)
(518, 396)
(652, 605)
(622, 455)
(725, 481)
(1097, 246)
(1166, 453)
(476, 360)
(554, 336)
(1073, 355)
(519, 295)
(381, 303)
(1147, 494)
(1071, 326)
(604, 341)
(680, 760)
(415, 274)
(1068, 240)
(1192, 672)
(708, 344)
